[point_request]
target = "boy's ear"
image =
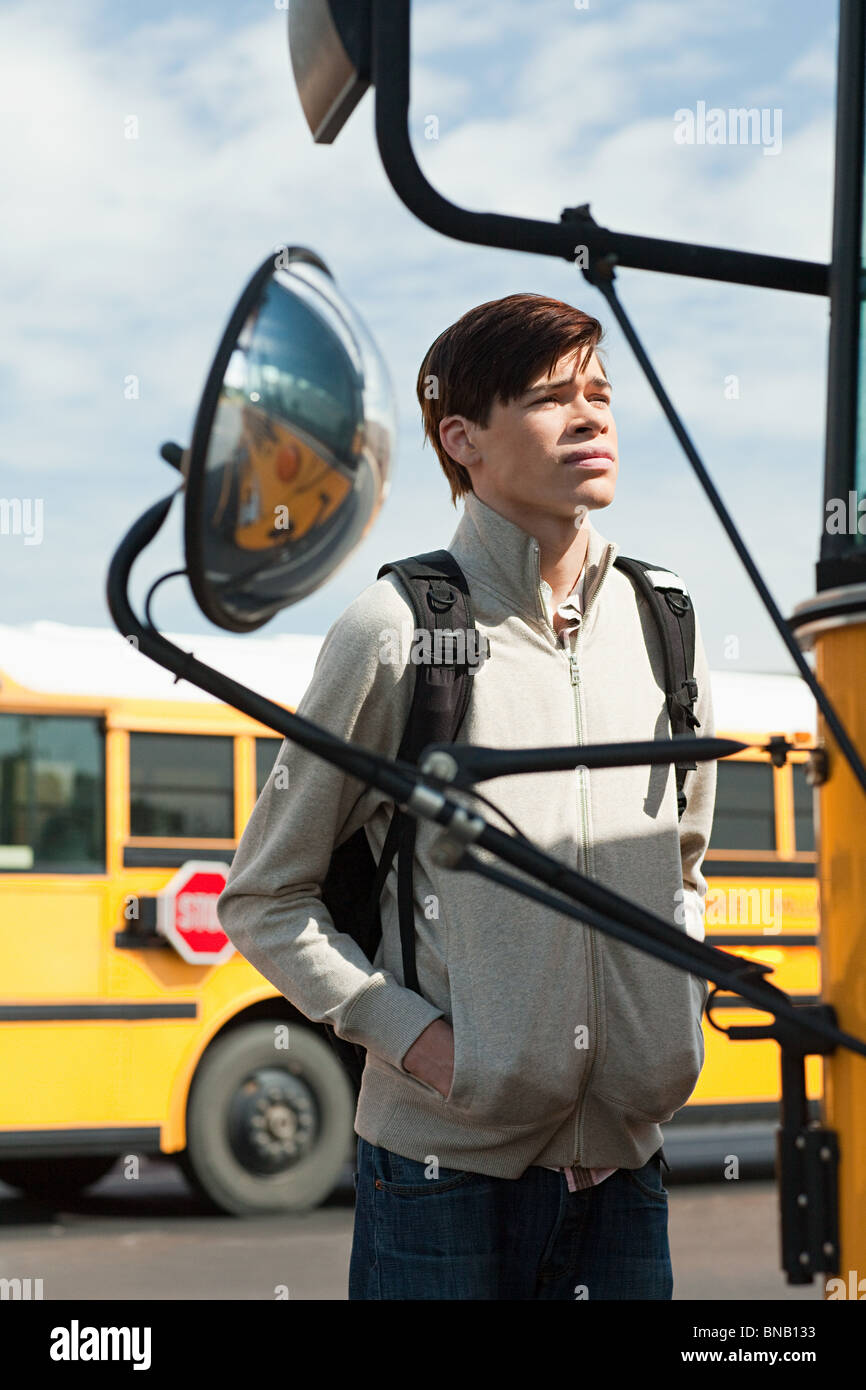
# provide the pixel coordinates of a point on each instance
(456, 441)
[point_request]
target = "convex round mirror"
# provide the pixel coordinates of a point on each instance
(291, 451)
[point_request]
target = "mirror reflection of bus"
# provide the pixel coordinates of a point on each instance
(285, 488)
(291, 451)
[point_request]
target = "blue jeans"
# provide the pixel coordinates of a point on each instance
(460, 1235)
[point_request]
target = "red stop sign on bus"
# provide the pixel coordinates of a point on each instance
(186, 912)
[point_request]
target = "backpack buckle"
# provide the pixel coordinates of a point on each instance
(683, 703)
(441, 595)
(678, 601)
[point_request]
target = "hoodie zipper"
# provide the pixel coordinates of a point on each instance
(575, 678)
(585, 864)
(574, 672)
(576, 687)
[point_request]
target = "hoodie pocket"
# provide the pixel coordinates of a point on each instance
(460, 1092)
(521, 1049)
(655, 1046)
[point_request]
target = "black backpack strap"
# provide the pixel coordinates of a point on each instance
(439, 594)
(674, 615)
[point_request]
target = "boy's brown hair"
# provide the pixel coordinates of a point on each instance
(494, 352)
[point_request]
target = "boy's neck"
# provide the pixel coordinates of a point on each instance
(562, 547)
(562, 568)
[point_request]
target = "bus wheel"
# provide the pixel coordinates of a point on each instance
(56, 1177)
(268, 1130)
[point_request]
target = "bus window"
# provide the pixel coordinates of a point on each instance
(181, 786)
(804, 825)
(52, 794)
(745, 816)
(266, 755)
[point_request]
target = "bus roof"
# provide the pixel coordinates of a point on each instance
(762, 700)
(58, 658)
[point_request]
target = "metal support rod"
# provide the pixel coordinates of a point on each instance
(842, 557)
(601, 277)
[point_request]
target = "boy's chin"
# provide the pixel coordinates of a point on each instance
(594, 497)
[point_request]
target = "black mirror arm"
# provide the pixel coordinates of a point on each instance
(390, 23)
(173, 454)
(369, 767)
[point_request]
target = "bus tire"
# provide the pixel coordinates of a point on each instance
(267, 1130)
(53, 1178)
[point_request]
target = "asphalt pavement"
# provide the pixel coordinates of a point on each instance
(151, 1238)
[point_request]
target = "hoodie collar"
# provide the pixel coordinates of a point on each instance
(508, 559)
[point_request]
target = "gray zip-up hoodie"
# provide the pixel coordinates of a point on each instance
(570, 1047)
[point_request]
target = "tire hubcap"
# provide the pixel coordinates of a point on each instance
(272, 1120)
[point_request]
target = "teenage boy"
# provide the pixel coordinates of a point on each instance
(508, 1120)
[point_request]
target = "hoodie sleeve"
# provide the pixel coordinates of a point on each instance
(271, 907)
(700, 789)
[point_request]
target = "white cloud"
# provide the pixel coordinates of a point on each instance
(816, 67)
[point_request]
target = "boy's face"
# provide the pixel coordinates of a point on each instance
(524, 458)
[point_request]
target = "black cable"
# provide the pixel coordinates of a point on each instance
(440, 784)
(172, 574)
(470, 791)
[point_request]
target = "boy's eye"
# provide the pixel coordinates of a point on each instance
(603, 400)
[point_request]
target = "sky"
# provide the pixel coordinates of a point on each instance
(124, 258)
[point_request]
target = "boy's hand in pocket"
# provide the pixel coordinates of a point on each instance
(431, 1056)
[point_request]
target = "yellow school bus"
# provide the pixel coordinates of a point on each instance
(761, 904)
(112, 778)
